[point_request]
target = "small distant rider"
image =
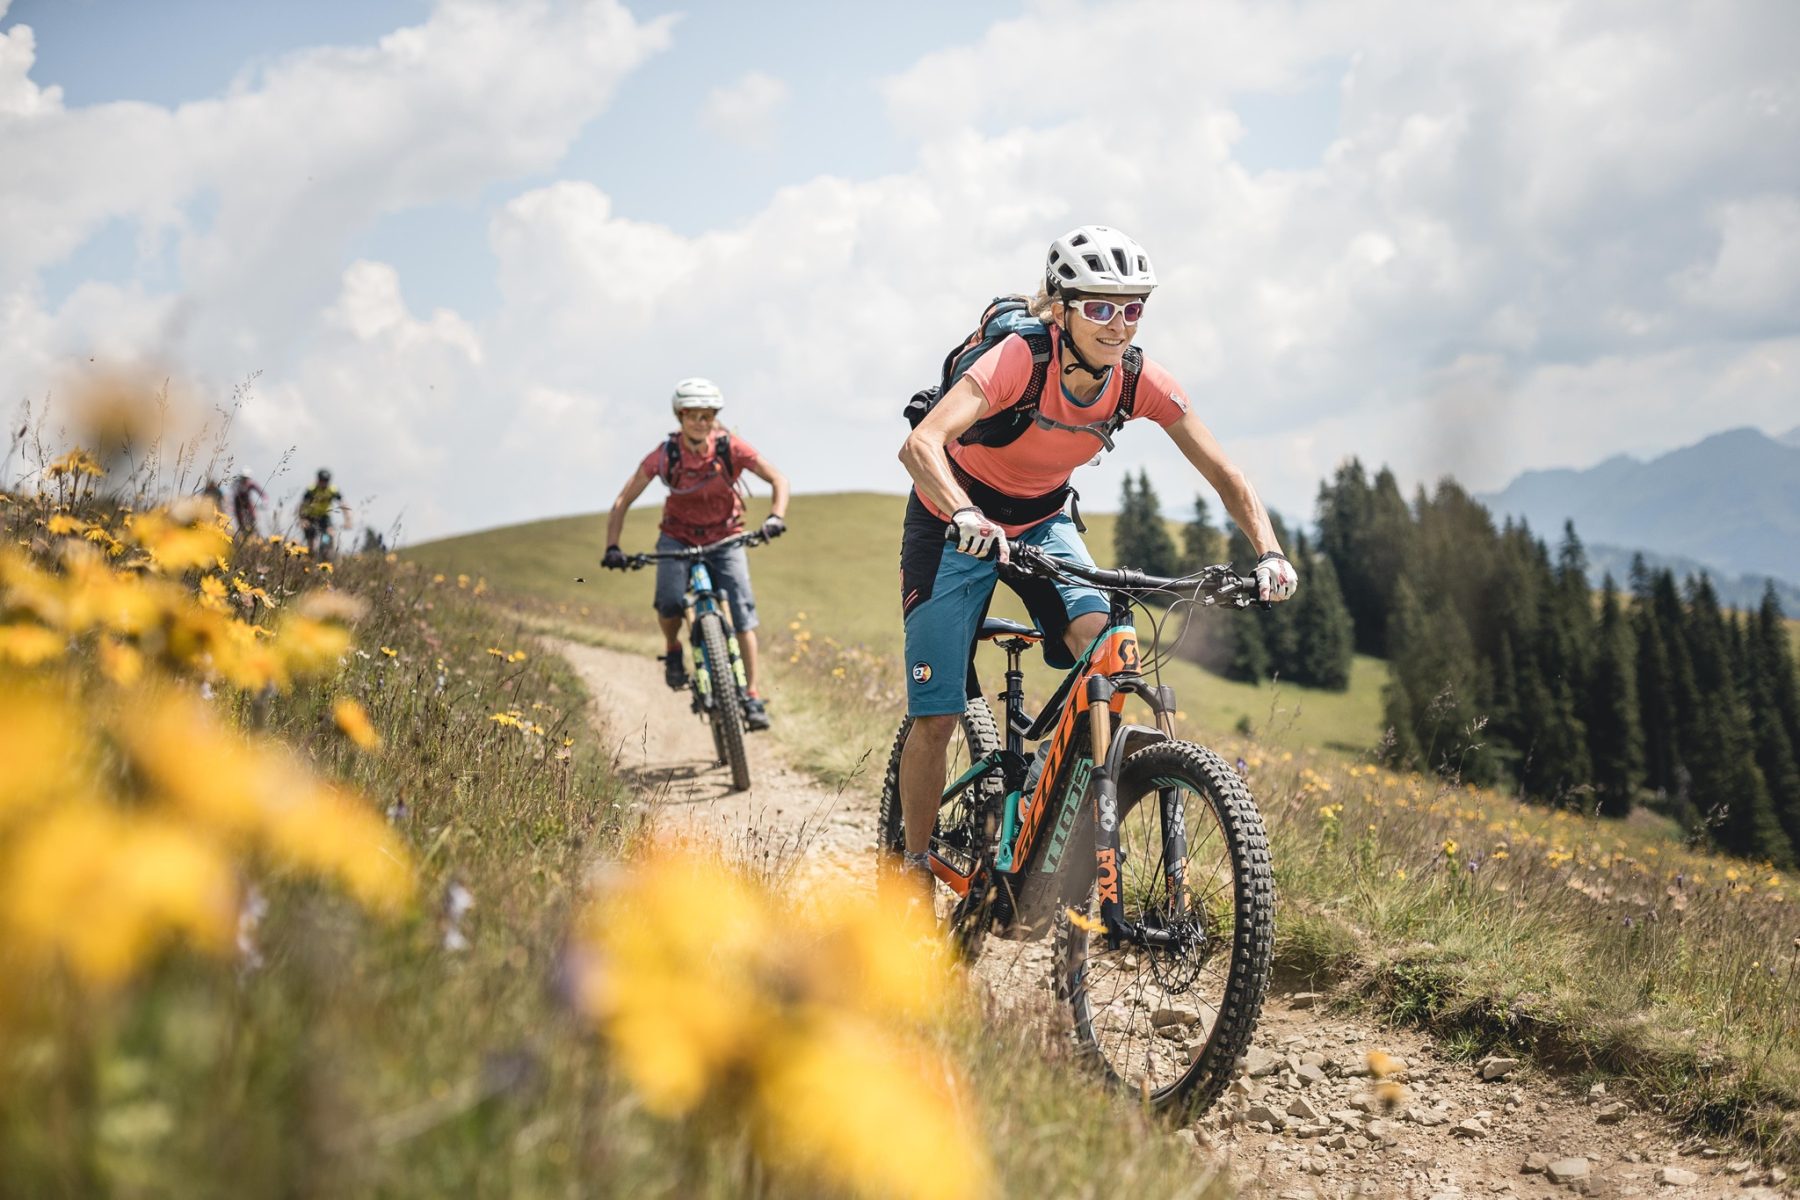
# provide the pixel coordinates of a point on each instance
(212, 491)
(245, 493)
(316, 506)
(700, 464)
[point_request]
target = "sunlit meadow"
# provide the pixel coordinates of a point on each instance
(297, 896)
(1605, 949)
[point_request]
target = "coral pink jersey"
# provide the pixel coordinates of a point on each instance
(1042, 460)
(703, 504)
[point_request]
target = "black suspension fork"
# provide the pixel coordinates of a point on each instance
(1172, 809)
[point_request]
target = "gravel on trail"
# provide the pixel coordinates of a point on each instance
(1306, 1118)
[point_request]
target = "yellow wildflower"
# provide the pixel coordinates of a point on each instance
(854, 1106)
(120, 661)
(175, 546)
(389, 652)
(30, 645)
(63, 523)
(77, 462)
(310, 646)
(102, 890)
(1084, 922)
(41, 745)
(353, 720)
(516, 656)
(1381, 1064)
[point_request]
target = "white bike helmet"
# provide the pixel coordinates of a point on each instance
(1097, 260)
(696, 393)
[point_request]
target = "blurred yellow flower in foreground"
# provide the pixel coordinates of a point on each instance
(176, 546)
(353, 721)
(795, 1017)
(41, 746)
(102, 889)
(77, 462)
(29, 645)
(258, 795)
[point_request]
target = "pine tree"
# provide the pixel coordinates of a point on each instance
(1262, 641)
(1774, 708)
(1128, 531)
(1615, 739)
(1345, 507)
(1202, 543)
(1728, 783)
(1367, 531)
(1140, 539)
(1660, 684)
(1249, 657)
(1323, 633)
(1431, 671)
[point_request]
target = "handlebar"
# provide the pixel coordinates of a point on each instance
(1217, 583)
(747, 539)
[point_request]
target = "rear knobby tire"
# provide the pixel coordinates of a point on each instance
(958, 835)
(727, 711)
(1209, 996)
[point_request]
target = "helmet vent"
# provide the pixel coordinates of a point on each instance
(1080, 239)
(1093, 262)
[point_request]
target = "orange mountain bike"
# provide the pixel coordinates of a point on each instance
(1143, 855)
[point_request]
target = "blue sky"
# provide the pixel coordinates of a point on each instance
(473, 240)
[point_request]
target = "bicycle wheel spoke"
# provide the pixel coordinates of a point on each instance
(1167, 1016)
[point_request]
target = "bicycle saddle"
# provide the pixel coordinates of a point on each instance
(994, 627)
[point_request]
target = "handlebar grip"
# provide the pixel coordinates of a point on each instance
(1000, 540)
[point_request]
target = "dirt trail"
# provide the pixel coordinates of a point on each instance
(1306, 1120)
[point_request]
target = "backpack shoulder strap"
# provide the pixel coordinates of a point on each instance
(1039, 344)
(722, 450)
(1134, 367)
(671, 456)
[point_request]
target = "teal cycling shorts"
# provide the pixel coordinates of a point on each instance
(945, 594)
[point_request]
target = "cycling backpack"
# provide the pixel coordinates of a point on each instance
(1005, 316)
(672, 456)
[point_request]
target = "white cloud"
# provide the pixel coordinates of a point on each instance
(1542, 233)
(294, 163)
(1756, 271)
(746, 112)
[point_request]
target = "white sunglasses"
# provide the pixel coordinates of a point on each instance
(1101, 312)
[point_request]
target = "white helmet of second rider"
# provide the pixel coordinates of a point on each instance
(1096, 260)
(696, 393)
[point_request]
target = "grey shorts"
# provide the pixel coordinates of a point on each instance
(730, 570)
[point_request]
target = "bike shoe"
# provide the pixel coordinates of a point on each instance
(675, 670)
(756, 716)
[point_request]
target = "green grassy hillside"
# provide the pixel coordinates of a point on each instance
(1609, 946)
(837, 574)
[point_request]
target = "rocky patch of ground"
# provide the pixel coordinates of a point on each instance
(1326, 1106)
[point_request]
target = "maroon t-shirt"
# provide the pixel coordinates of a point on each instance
(703, 504)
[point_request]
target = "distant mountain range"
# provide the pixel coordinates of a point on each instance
(1729, 504)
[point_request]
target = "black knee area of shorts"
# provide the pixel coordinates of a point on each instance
(679, 610)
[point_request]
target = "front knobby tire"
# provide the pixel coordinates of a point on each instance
(727, 713)
(960, 836)
(1170, 1025)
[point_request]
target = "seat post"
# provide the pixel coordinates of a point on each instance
(1014, 696)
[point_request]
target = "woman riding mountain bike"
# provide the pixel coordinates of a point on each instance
(700, 464)
(991, 460)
